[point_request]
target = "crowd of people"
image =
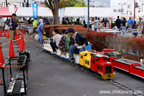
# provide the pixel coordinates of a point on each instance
(123, 24)
(69, 41)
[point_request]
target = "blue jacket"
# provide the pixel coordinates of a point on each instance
(40, 28)
(12, 23)
(130, 22)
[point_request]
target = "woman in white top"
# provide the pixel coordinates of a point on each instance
(56, 40)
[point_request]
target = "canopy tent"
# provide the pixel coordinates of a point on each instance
(27, 12)
(4, 11)
(74, 12)
(101, 12)
(80, 12)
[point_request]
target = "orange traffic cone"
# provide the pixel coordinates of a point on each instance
(11, 49)
(22, 44)
(8, 35)
(18, 41)
(23, 30)
(5, 33)
(0, 33)
(1, 57)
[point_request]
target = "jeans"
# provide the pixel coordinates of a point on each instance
(40, 36)
(73, 50)
(54, 46)
(124, 29)
(95, 29)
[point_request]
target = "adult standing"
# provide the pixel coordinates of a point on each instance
(40, 29)
(12, 24)
(96, 23)
(134, 23)
(1, 24)
(35, 23)
(130, 23)
(140, 26)
(124, 25)
(40, 20)
(118, 23)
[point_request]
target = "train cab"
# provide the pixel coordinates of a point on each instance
(100, 64)
(85, 58)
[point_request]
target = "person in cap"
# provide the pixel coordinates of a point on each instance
(77, 43)
(40, 30)
(64, 43)
(134, 35)
(56, 39)
(12, 24)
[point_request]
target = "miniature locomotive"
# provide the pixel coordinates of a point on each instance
(97, 63)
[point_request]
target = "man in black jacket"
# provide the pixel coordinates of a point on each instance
(118, 23)
(77, 43)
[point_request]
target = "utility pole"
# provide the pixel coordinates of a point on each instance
(134, 8)
(6, 3)
(88, 17)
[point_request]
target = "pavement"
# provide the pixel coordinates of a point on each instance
(50, 75)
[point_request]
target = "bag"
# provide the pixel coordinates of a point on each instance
(67, 41)
(7, 27)
(36, 37)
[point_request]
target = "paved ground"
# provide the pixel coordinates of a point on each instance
(52, 76)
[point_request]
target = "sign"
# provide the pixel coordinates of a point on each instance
(35, 10)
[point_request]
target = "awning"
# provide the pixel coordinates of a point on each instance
(4, 11)
(27, 12)
(81, 11)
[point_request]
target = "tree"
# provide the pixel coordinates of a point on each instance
(54, 6)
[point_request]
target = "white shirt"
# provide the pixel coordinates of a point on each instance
(40, 21)
(57, 38)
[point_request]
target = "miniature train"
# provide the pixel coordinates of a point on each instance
(103, 62)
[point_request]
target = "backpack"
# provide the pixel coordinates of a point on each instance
(67, 41)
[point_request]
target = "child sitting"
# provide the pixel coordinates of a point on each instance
(64, 43)
(56, 40)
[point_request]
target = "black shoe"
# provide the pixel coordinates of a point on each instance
(72, 60)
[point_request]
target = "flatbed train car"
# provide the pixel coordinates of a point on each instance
(132, 67)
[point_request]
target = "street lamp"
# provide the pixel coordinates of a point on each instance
(88, 17)
(122, 7)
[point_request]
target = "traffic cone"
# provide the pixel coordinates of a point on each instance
(22, 44)
(1, 57)
(5, 33)
(8, 35)
(0, 33)
(23, 30)
(11, 49)
(18, 41)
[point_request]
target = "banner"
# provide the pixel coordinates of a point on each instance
(85, 15)
(61, 14)
(35, 10)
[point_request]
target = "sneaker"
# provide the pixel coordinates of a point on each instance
(72, 60)
(53, 52)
